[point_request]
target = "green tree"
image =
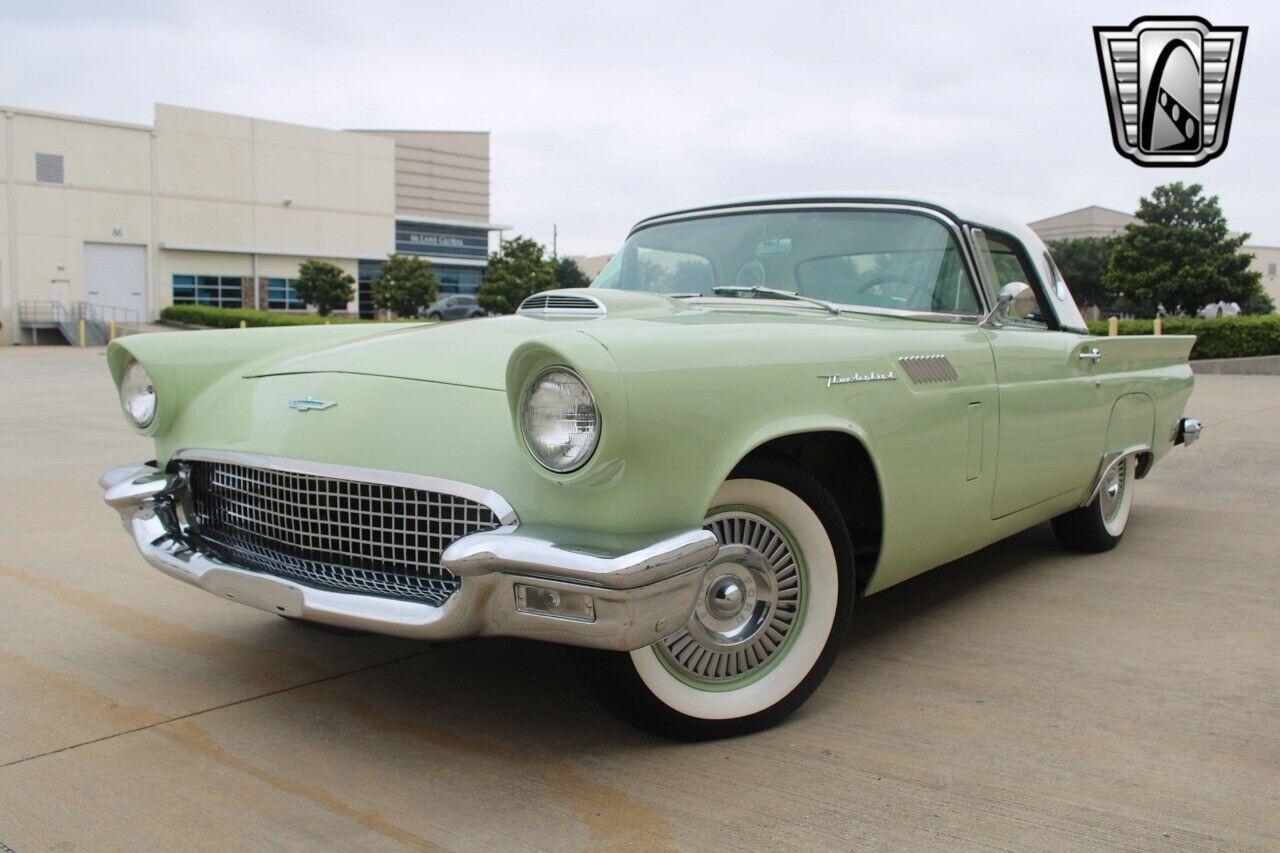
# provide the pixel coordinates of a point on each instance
(1083, 263)
(569, 274)
(324, 285)
(1180, 255)
(517, 270)
(405, 285)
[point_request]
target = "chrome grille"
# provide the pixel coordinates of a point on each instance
(337, 534)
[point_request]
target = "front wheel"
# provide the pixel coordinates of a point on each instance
(767, 621)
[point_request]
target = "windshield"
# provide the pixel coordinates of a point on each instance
(878, 259)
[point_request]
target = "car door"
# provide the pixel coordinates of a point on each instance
(1052, 409)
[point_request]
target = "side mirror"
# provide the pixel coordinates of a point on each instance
(1015, 301)
(1019, 300)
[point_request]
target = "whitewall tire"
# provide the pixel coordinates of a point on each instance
(1100, 525)
(767, 620)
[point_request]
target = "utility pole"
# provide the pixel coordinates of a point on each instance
(555, 235)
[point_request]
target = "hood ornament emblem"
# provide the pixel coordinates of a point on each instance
(311, 404)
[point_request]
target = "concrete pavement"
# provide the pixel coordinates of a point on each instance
(1022, 697)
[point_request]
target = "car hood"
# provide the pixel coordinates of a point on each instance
(476, 353)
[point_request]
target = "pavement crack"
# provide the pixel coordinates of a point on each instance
(1244, 415)
(300, 685)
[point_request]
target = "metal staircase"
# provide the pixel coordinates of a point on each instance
(100, 321)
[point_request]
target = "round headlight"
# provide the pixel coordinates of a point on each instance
(559, 420)
(138, 395)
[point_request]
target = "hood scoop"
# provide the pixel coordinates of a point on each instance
(559, 303)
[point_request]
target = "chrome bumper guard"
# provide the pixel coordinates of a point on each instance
(634, 592)
(1188, 433)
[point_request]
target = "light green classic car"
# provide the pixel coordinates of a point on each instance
(757, 414)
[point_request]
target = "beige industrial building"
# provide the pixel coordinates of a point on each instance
(217, 209)
(1095, 221)
(591, 265)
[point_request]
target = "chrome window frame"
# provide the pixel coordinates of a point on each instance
(1042, 293)
(953, 226)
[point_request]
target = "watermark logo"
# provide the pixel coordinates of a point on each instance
(1171, 85)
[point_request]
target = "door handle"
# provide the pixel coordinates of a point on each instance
(1093, 355)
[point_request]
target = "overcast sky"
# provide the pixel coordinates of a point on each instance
(602, 113)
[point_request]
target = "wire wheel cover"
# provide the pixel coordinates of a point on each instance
(748, 608)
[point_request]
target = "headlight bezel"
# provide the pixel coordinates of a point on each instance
(127, 380)
(523, 427)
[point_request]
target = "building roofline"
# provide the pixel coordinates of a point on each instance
(1081, 210)
(76, 118)
(409, 130)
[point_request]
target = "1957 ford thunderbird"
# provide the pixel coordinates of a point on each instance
(758, 413)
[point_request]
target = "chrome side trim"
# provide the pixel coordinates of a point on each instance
(924, 369)
(479, 494)
(536, 554)
(1113, 458)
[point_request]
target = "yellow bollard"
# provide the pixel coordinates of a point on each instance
(1113, 326)
(243, 324)
(1157, 328)
(111, 335)
(82, 332)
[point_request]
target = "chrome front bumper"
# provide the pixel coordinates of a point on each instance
(639, 592)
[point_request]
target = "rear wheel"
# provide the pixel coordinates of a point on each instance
(1100, 525)
(767, 622)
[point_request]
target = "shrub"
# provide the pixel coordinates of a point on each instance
(1219, 337)
(518, 269)
(405, 285)
(229, 318)
(324, 285)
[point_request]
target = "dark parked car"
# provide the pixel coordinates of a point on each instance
(455, 306)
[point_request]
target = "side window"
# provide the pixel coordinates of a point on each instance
(1009, 263)
(920, 276)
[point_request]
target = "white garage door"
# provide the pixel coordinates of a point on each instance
(116, 275)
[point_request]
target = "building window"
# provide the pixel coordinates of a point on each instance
(458, 279)
(282, 297)
(220, 291)
(49, 168)
(368, 272)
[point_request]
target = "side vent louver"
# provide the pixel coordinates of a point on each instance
(561, 305)
(928, 368)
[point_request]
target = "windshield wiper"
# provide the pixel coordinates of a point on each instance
(773, 291)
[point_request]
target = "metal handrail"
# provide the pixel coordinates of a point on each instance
(100, 321)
